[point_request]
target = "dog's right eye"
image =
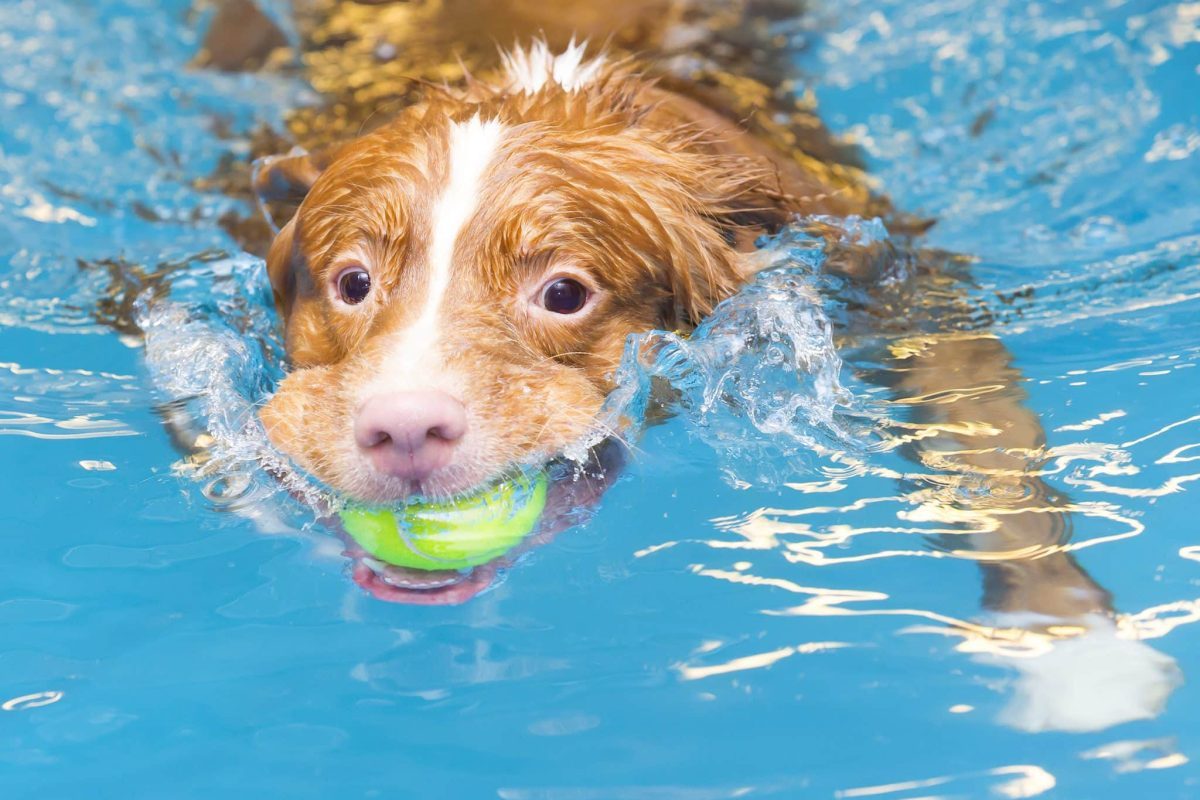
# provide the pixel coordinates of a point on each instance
(354, 284)
(564, 296)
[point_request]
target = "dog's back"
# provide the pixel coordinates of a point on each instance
(734, 60)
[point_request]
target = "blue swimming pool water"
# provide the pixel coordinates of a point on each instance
(753, 611)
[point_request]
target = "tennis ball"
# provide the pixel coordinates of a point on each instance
(455, 534)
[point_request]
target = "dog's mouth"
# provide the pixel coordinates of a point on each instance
(394, 584)
(572, 495)
(448, 485)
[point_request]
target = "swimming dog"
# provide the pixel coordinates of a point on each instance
(458, 284)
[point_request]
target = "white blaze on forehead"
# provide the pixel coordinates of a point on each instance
(472, 146)
(529, 71)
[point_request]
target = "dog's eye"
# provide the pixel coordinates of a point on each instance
(564, 296)
(353, 285)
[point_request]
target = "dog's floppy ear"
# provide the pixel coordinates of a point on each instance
(282, 181)
(281, 268)
(701, 271)
(297, 297)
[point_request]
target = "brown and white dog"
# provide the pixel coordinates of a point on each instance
(458, 284)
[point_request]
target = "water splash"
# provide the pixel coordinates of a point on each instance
(760, 380)
(214, 354)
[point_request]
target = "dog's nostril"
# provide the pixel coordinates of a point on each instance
(440, 433)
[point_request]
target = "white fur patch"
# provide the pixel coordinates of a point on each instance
(530, 70)
(472, 147)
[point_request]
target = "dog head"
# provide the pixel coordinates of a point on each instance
(457, 286)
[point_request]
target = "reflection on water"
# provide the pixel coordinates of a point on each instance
(1018, 780)
(1135, 756)
(49, 403)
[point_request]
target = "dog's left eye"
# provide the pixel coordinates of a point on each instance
(354, 285)
(564, 296)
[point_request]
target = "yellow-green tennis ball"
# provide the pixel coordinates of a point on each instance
(454, 534)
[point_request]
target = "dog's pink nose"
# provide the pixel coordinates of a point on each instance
(410, 434)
